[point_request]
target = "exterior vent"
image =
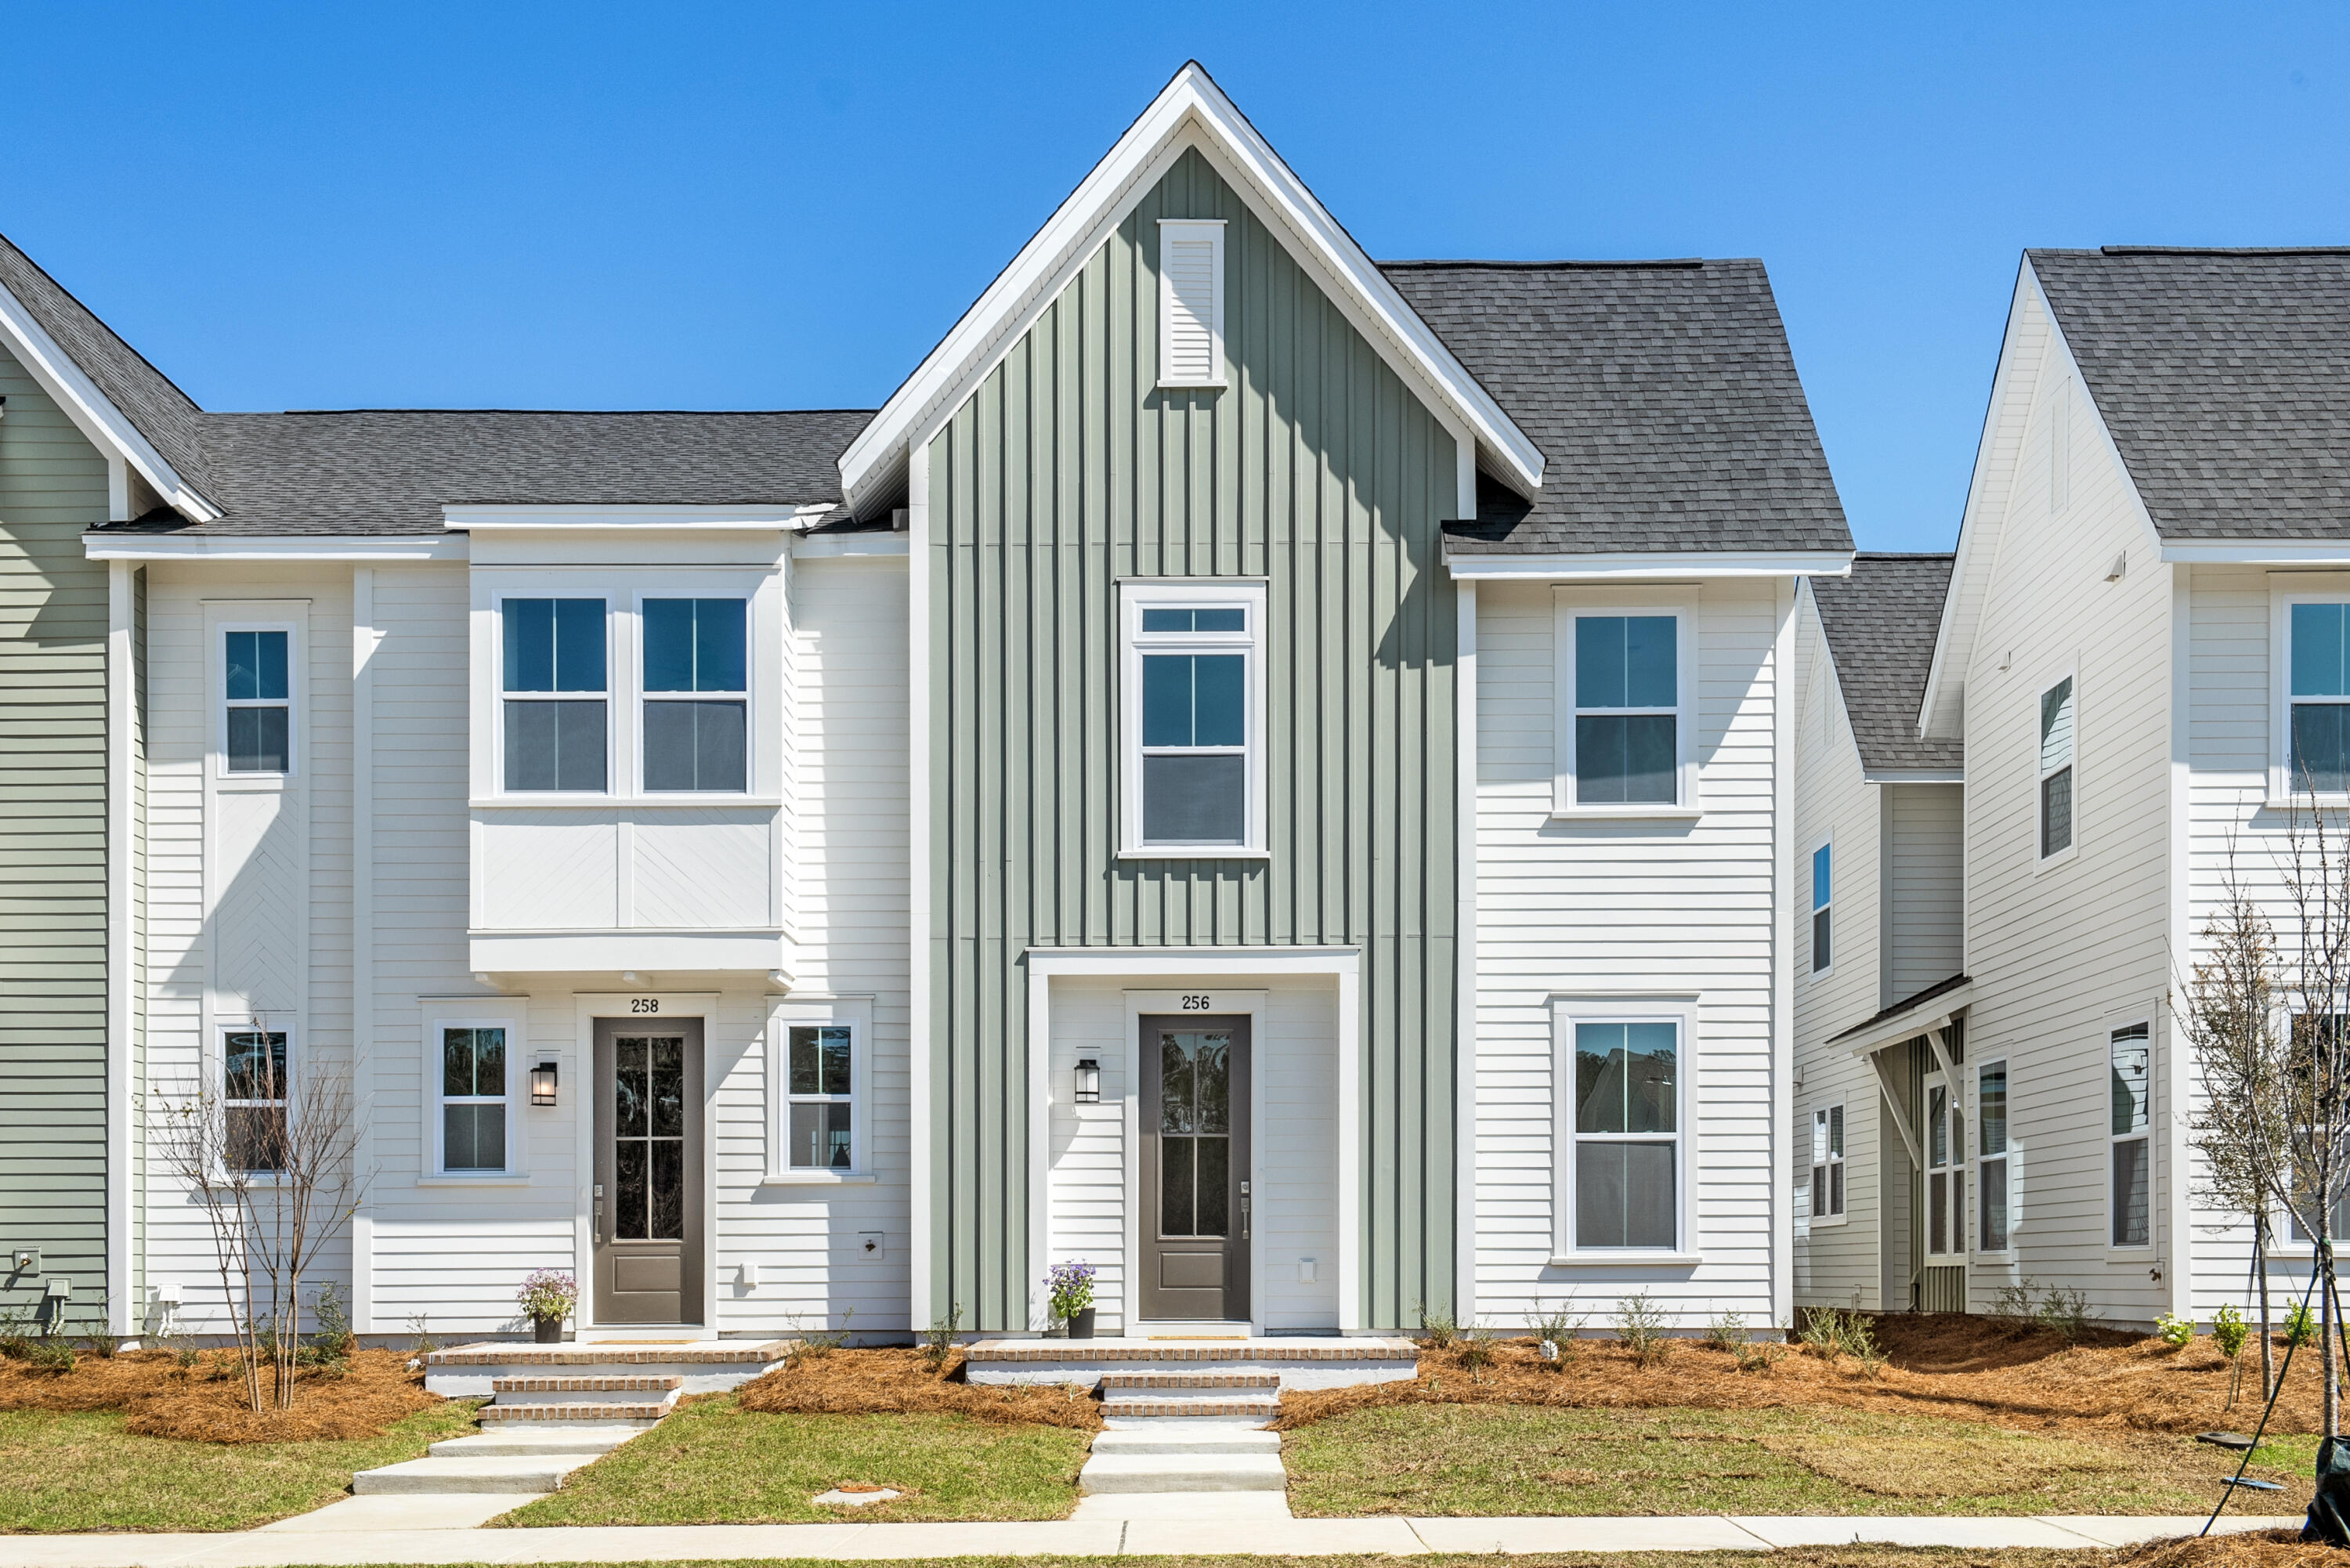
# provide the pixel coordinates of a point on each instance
(1191, 303)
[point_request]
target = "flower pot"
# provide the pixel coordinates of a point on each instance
(548, 1329)
(1082, 1325)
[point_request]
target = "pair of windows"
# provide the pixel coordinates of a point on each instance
(694, 695)
(1194, 731)
(1628, 729)
(1946, 1170)
(1827, 1163)
(1624, 1163)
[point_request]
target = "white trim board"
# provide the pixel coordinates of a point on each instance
(1680, 565)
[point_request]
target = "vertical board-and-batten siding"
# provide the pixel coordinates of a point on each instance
(1317, 469)
(53, 636)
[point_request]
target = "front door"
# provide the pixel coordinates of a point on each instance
(1195, 1168)
(648, 1196)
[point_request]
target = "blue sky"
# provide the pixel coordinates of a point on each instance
(590, 205)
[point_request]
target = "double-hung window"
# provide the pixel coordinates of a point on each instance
(555, 695)
(2056, 733)
(2132, 1079)
(475, 1084)
(1626, 1134)
(1822, 887)
(2318, 696)
(1194, 704)
(1992, 1160)
(257, 723)
(1627, 720)
(1946, 1172)
(253, 1088)
(1827, 1163)
(820, 1117)
(696, 695)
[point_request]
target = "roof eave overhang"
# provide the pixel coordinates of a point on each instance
(593, 517)
(1190, 110)
(2307, 554)
(1924, 1019)
(356, 549)
(1914, 775)
(1635, 566)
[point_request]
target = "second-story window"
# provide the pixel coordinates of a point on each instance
(2319, 757)
(1195, 689)
(554, 692)
(2056, 725)
(1822, 887)
(1627, 710)
(696, 695)
(259, 720)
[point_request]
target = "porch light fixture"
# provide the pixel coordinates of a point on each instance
(1088, 1081)
(542, 1084)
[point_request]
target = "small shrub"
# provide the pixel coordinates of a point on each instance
(816, 1344)
(2177, 1333)
(939, 1339)
(420, 1326)
(15, 1332)
(1820, 1331)
(2014, 1304)
(333, 1340)
(1438, 1328)
(2068, 1313)
(1753, 1357)
(1727, 1332)
(2230, 1331)
(1557, 1334)
(2300, 1327)
(1641, 1329)
(1477, 1349)
(52, 1356)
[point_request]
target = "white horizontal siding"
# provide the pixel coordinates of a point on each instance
(1925, 885)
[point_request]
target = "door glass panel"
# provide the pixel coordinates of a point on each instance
(1175, 1090)
(668, 1091)
(1212, 1072)
(1215, 1185)
(668, 1194)
(1195, 1098)
(1175, 1156)
(629, 1089)
(628, 1203)
(649, 1137)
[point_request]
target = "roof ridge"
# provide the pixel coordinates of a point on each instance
(697, 413)
(79, 304)
(2222, 251)
(1687, 264)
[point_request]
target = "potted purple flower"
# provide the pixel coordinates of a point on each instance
(1071, 1289)
(547, 1297)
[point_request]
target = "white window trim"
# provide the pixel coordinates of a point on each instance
(2144, 1135)
(474, 1014)
(2013, 1156)
(1814, 968)
(611, 696)
(1954, 1115)
(1828, 1162)
(1567, 1011)
(1192, 229)
(1567, 605)
(638, 696)
(2072, 848)
(855, 1013)
(2281, 788)
(1135, 596)
(217, 684)
(216, 1081)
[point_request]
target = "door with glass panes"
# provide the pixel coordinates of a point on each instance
(648, 1198)
(1196, 1202)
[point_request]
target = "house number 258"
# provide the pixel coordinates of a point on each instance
(644, 1005)
(1199, 1003)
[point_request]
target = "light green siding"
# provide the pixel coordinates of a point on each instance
(1315, 469)
(52, 847)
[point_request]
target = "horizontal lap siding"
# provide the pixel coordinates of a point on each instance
(1620, 907)
(1925, 873)
(52, 616)
(1317, 469)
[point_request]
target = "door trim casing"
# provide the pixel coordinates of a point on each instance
(575, 1081)
(1138, 1198)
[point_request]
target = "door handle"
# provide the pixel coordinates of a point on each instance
(596, 1236)
(1244, 1210)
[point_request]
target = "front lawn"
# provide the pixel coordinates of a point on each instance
(81, 1471)
(714, 1462)
(1468, 1460)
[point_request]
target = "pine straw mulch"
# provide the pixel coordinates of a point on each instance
(206, 1403)
(1967, 1368)
(899, 1381)
(2254, 1549)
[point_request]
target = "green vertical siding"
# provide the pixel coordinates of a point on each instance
(52, 847)
(1315, 469)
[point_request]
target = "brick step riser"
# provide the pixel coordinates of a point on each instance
(1288, 1375)
(1231, 1409)
(584, 1415)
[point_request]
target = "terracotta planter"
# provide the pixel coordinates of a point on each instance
(1082, 1325)
(549, 1330)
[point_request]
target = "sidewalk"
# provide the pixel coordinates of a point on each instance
(378, 1542)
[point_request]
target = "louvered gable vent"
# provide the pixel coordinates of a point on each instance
(1191, 303)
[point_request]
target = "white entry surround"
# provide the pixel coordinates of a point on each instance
(1304, 1103)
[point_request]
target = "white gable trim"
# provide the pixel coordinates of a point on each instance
(1630, 565)
(93, 414)
(1192, 111)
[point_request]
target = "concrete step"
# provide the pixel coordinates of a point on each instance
(1180, 1437)
(514, 1476)
(702, 1366)
(610, 1389)
(536, 1439)
(1302, 1361)
(584, 1413)
(1183, 1472)
(1191, 1507)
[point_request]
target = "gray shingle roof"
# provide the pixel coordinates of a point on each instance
(1880, 623)
(2224, 376)
(1663, 396)
(159, 410)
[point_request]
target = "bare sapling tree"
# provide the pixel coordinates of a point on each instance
(2314, 987)
(2227, 1013)
(270, 1159)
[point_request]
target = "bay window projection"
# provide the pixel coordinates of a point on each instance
(696, 695)
(472, 1099)
(258, 722)
(1991, 1184)
(1627, 710)
(1194, 686)
(1827, 1163)
(1821, 924)
(2056, 725)
(254, 1085)
(2132, 1080)
(821, 1115)
(1627, 1153)
(2318, 758)
(555, 692)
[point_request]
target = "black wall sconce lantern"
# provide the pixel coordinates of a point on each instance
(1088, 1081)
(542, 1084)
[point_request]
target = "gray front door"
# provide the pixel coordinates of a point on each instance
(1195, 1168)
(648, 1194)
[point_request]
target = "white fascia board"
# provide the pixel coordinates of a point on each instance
(2329, 555)
(1630, 565)
(575, 518)
(1914, 775)
(254, 548)
(860, 544)
(93, 413)
(1070, 237)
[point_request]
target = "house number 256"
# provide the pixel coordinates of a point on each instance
(644, 1005)
(1199, 1005)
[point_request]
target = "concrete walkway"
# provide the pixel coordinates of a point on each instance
(378, 1538)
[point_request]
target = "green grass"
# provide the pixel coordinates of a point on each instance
(713, 1463)
(1471, 1459)
(83, 1472)
(1800, 1557)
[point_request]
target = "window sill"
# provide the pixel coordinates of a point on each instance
(1194, 852)
(2064, 857)
(1659, 813)
(817, 1179)
(1627, 1258)
(583, 801)
(1830, 1222)
(503, 1178)
(1216, 386)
